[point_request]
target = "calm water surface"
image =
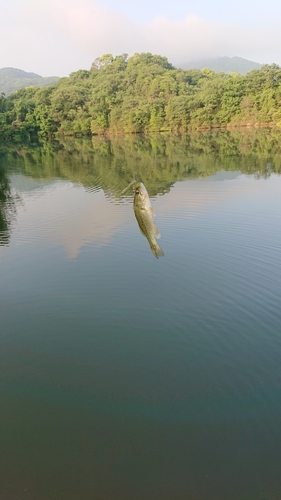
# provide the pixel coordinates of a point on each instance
(127, 377)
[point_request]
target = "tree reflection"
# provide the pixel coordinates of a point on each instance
(158, 160)
(7, 209)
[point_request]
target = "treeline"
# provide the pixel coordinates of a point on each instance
(141, 94)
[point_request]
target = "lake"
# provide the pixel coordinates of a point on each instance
(128, 377)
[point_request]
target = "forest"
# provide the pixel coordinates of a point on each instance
(143, 93)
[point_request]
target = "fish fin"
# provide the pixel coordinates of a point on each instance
(157, 233)
(157, 251)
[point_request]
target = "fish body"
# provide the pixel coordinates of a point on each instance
(145, 217)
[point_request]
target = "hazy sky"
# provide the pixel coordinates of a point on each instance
(56, 37)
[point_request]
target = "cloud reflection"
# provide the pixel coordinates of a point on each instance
(68, 216)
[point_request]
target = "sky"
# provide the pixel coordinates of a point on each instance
(57, 37)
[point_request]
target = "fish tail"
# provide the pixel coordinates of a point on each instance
(157, 250)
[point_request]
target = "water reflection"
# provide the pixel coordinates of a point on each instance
(7, 208)
(114, 368)
(158, 160)
(105, 165)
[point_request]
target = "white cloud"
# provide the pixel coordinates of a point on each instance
(94, 28)
(60, 36)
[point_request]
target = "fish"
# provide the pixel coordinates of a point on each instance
(144, 214)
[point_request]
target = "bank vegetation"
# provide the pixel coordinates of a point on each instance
(142, 94)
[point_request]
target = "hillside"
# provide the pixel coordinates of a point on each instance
(225, 65)
(12, 79)
(142, 94)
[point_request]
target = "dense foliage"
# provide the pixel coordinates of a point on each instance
(143, 93)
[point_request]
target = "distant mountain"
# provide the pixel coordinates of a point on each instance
(224, 64)
(12, 79)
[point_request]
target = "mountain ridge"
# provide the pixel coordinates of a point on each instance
(13, 79)
(224, 64)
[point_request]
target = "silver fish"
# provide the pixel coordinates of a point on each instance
(145, 216)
